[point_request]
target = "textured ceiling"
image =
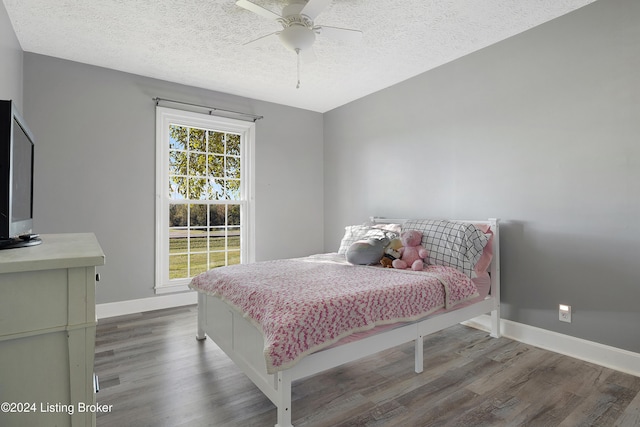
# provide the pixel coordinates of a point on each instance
(200, 42)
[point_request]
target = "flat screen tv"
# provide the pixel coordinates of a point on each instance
(16, 180)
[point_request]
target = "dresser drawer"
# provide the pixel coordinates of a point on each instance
(33, 301)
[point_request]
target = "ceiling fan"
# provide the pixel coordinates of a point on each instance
(298, 29)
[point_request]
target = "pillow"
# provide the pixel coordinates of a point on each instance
(484, 262)
(450, 243)
(483, 283)
(353, 233)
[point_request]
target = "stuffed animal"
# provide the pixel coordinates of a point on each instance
(412, 254)
(366, 252)
(391, 253)
(386, 261)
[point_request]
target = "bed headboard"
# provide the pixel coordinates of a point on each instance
(494, 268)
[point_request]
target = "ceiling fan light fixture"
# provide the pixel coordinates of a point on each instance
(297, 37)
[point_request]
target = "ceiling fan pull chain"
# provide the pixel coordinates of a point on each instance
(298, 60)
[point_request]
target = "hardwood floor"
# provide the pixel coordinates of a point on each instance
(154, 373)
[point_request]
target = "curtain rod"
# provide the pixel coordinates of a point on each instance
(253, 117)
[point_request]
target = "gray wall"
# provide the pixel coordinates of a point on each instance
(541, 130)
(10, 61)
(95, 166)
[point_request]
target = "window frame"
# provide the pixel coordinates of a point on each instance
(166, 117)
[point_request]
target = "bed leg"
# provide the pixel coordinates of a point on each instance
(419, 353)
(284, 397)
(495, 323)
(200, 334)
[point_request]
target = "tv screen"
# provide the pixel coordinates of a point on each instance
(21, 173)
(16, 173)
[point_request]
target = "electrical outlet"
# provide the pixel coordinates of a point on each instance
(565, 313)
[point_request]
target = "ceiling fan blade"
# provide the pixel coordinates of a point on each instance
(337, 33)
(246, 4)
(313, 8)
(260, 40)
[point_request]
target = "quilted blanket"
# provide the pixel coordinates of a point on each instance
(302, 305)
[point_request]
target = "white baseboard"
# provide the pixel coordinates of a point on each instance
(589, 351)
(121, 308)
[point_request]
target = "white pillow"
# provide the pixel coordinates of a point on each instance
(353, 233)
(450, 243)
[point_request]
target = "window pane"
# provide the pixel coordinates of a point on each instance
(197, 164)
(177, 187)
(233, 257)
(177, 162)
(217, 215)
(216, 166)
(217, 189)
(233, 215)
(233, 238)
(178, 137)
(177, 241)
(232, 190)
(217, 241)
(197, 140)
(198, 189)
(233, 144)
(198, 241)
(178, 267)
(198, 216)
(216, 142)
(217, 259)
(177, 215)
(197, 264)
(232, 169)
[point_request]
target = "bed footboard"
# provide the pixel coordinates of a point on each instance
(244, 344)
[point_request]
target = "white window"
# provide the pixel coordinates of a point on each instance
(204, 191)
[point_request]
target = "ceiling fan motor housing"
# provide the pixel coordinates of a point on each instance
(297, 33)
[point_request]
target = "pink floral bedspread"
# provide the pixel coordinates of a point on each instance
(305, 304)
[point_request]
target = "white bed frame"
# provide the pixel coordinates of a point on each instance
(244, 344)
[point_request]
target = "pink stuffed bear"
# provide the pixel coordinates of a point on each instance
(412, 254)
